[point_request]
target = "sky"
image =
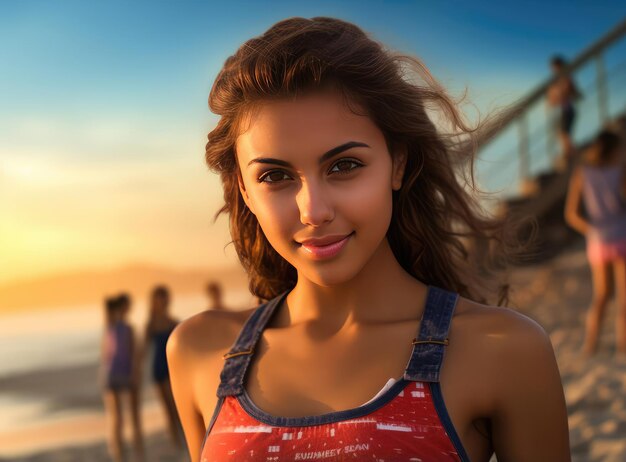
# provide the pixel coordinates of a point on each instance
(104, 115)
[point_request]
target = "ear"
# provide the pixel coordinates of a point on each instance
(244, 193)
(399, 165)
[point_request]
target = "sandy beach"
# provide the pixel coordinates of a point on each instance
(74, 429)
(96, 452)
(51, 405)
(555, 294)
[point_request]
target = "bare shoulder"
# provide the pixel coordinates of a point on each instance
(207, 331)
(499, 323)
(196, 345)
(501, 333)
(509, 349)
(194, 355)
(512, 357)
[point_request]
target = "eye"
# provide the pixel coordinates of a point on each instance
(274, 176)
(344, 166)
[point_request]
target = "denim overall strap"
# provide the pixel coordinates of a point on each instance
(428, 348)
(240, 354)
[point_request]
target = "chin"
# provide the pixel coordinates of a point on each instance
(334, 274)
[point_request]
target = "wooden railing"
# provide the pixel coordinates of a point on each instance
(528, 151)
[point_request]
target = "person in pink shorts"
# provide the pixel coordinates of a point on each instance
(599, 182)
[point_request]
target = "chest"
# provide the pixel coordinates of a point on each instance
(291, 378)
(295, 377)
(406, 427)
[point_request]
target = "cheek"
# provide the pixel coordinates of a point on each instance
(365, 202)
(278, 218)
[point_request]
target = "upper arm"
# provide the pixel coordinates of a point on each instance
(103, 345)
(551, 94)
(195, 351)
(574, 193)
(530, 416)
(180, 356)
(134, 348)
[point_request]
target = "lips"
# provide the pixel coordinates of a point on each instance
(326, 247)
(323, 241)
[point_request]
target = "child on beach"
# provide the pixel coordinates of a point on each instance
(599, 183)
(346, 211)
(119, 377)
(158, 329)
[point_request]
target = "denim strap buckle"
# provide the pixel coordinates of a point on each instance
(238, 358)
(430, 340)
(429, 346)
(237, 353)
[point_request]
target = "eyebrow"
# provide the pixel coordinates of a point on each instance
(327, 155)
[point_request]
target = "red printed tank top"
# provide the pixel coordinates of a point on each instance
(406, 422)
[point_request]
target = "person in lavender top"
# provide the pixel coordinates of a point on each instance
(599, 183)
(118, 376)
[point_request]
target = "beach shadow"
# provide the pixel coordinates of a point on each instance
(62, 388)
(157, 446)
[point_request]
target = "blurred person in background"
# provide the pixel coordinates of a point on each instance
(158, 329)
(599, 183)
(562, 93)
(214, 292)
(119, 377)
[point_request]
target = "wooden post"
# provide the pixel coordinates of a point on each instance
(524, 167)
(603, 111)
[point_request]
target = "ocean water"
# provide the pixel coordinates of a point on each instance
(49, 358)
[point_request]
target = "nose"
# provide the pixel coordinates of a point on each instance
(314, 204)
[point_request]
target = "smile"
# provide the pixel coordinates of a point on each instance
(322, 252)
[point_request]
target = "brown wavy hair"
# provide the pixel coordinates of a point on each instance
(437, 218)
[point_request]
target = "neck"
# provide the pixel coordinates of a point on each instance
(382, 291)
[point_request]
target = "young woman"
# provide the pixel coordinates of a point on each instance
(119, 376)
(158, 329)
(347, 213)
(600, 184)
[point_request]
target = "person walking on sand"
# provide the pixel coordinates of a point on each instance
(599, 183)
(158, 329)
(119, 377)
(348, 214)
(561, 94)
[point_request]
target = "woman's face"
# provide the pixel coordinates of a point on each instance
(312, 169)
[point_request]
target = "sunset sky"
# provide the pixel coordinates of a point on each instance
(103, 110)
